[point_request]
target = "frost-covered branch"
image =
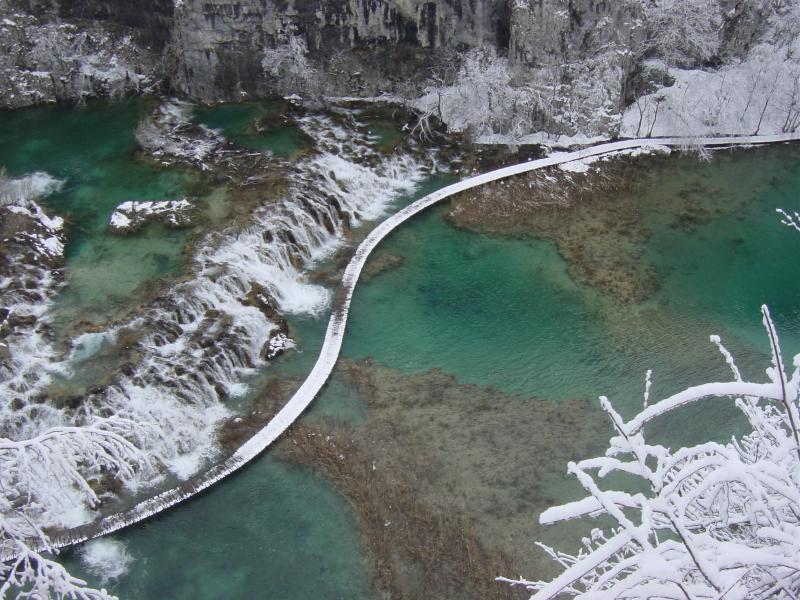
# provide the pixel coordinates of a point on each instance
(684, 32)
(64, 466)
(35, 577)
(719, 520)
(29, 468)
(289, 63)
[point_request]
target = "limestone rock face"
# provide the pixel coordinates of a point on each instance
(361, 44)
(76, 50)
(550, 32)
(585, 54)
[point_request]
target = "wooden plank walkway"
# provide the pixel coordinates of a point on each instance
(336, 328)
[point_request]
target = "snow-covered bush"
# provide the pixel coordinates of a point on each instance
(481, 99)
(64, 466)
(490, 101)
(717, 520)
(288, 62)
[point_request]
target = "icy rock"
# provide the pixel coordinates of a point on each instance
(278, 345)
(130, 217)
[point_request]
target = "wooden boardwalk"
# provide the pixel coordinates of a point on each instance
(336, 329)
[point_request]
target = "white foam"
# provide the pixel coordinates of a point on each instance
(106, 559)
(44, 184)
(19, 190)
(87, 345)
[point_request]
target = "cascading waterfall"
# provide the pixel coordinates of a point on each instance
(195, 346)
(31, 275)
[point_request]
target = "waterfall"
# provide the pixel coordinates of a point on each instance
(195, 346)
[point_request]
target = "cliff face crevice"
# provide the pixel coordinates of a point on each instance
(551, 32)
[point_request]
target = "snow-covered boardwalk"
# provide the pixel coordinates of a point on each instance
(336, 328)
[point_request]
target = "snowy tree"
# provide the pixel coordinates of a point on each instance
(40, 477)
(481, 99)
(289, 63)
(684, 32)
(718, 520)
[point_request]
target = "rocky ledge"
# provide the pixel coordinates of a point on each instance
(132, 216)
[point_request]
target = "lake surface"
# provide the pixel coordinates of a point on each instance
(490, 311)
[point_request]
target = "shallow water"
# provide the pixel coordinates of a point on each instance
(242, 124)
(271, 532)
(505, 313)
(92, 150)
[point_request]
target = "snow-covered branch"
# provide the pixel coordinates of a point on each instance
(684, 32)
(64, 466)
(288, 62)
(719, 520)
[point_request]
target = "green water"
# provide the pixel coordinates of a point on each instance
(505, 312)
(92, 150)
(257, 126)
(269, 532)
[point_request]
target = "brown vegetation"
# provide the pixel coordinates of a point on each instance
(417, 552)
(593, 218)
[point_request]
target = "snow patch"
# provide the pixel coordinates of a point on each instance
(131, 216)
(757, 95)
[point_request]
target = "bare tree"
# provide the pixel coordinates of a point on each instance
(289, 62)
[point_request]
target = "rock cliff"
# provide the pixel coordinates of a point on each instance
(214, 50)
(355, 46)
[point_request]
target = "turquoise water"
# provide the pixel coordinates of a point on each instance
(255, 125)
(270, 532)
(93, 151)
(480, 307)
(489, 310)
(505, 313)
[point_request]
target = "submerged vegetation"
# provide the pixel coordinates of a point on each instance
(188, 361)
